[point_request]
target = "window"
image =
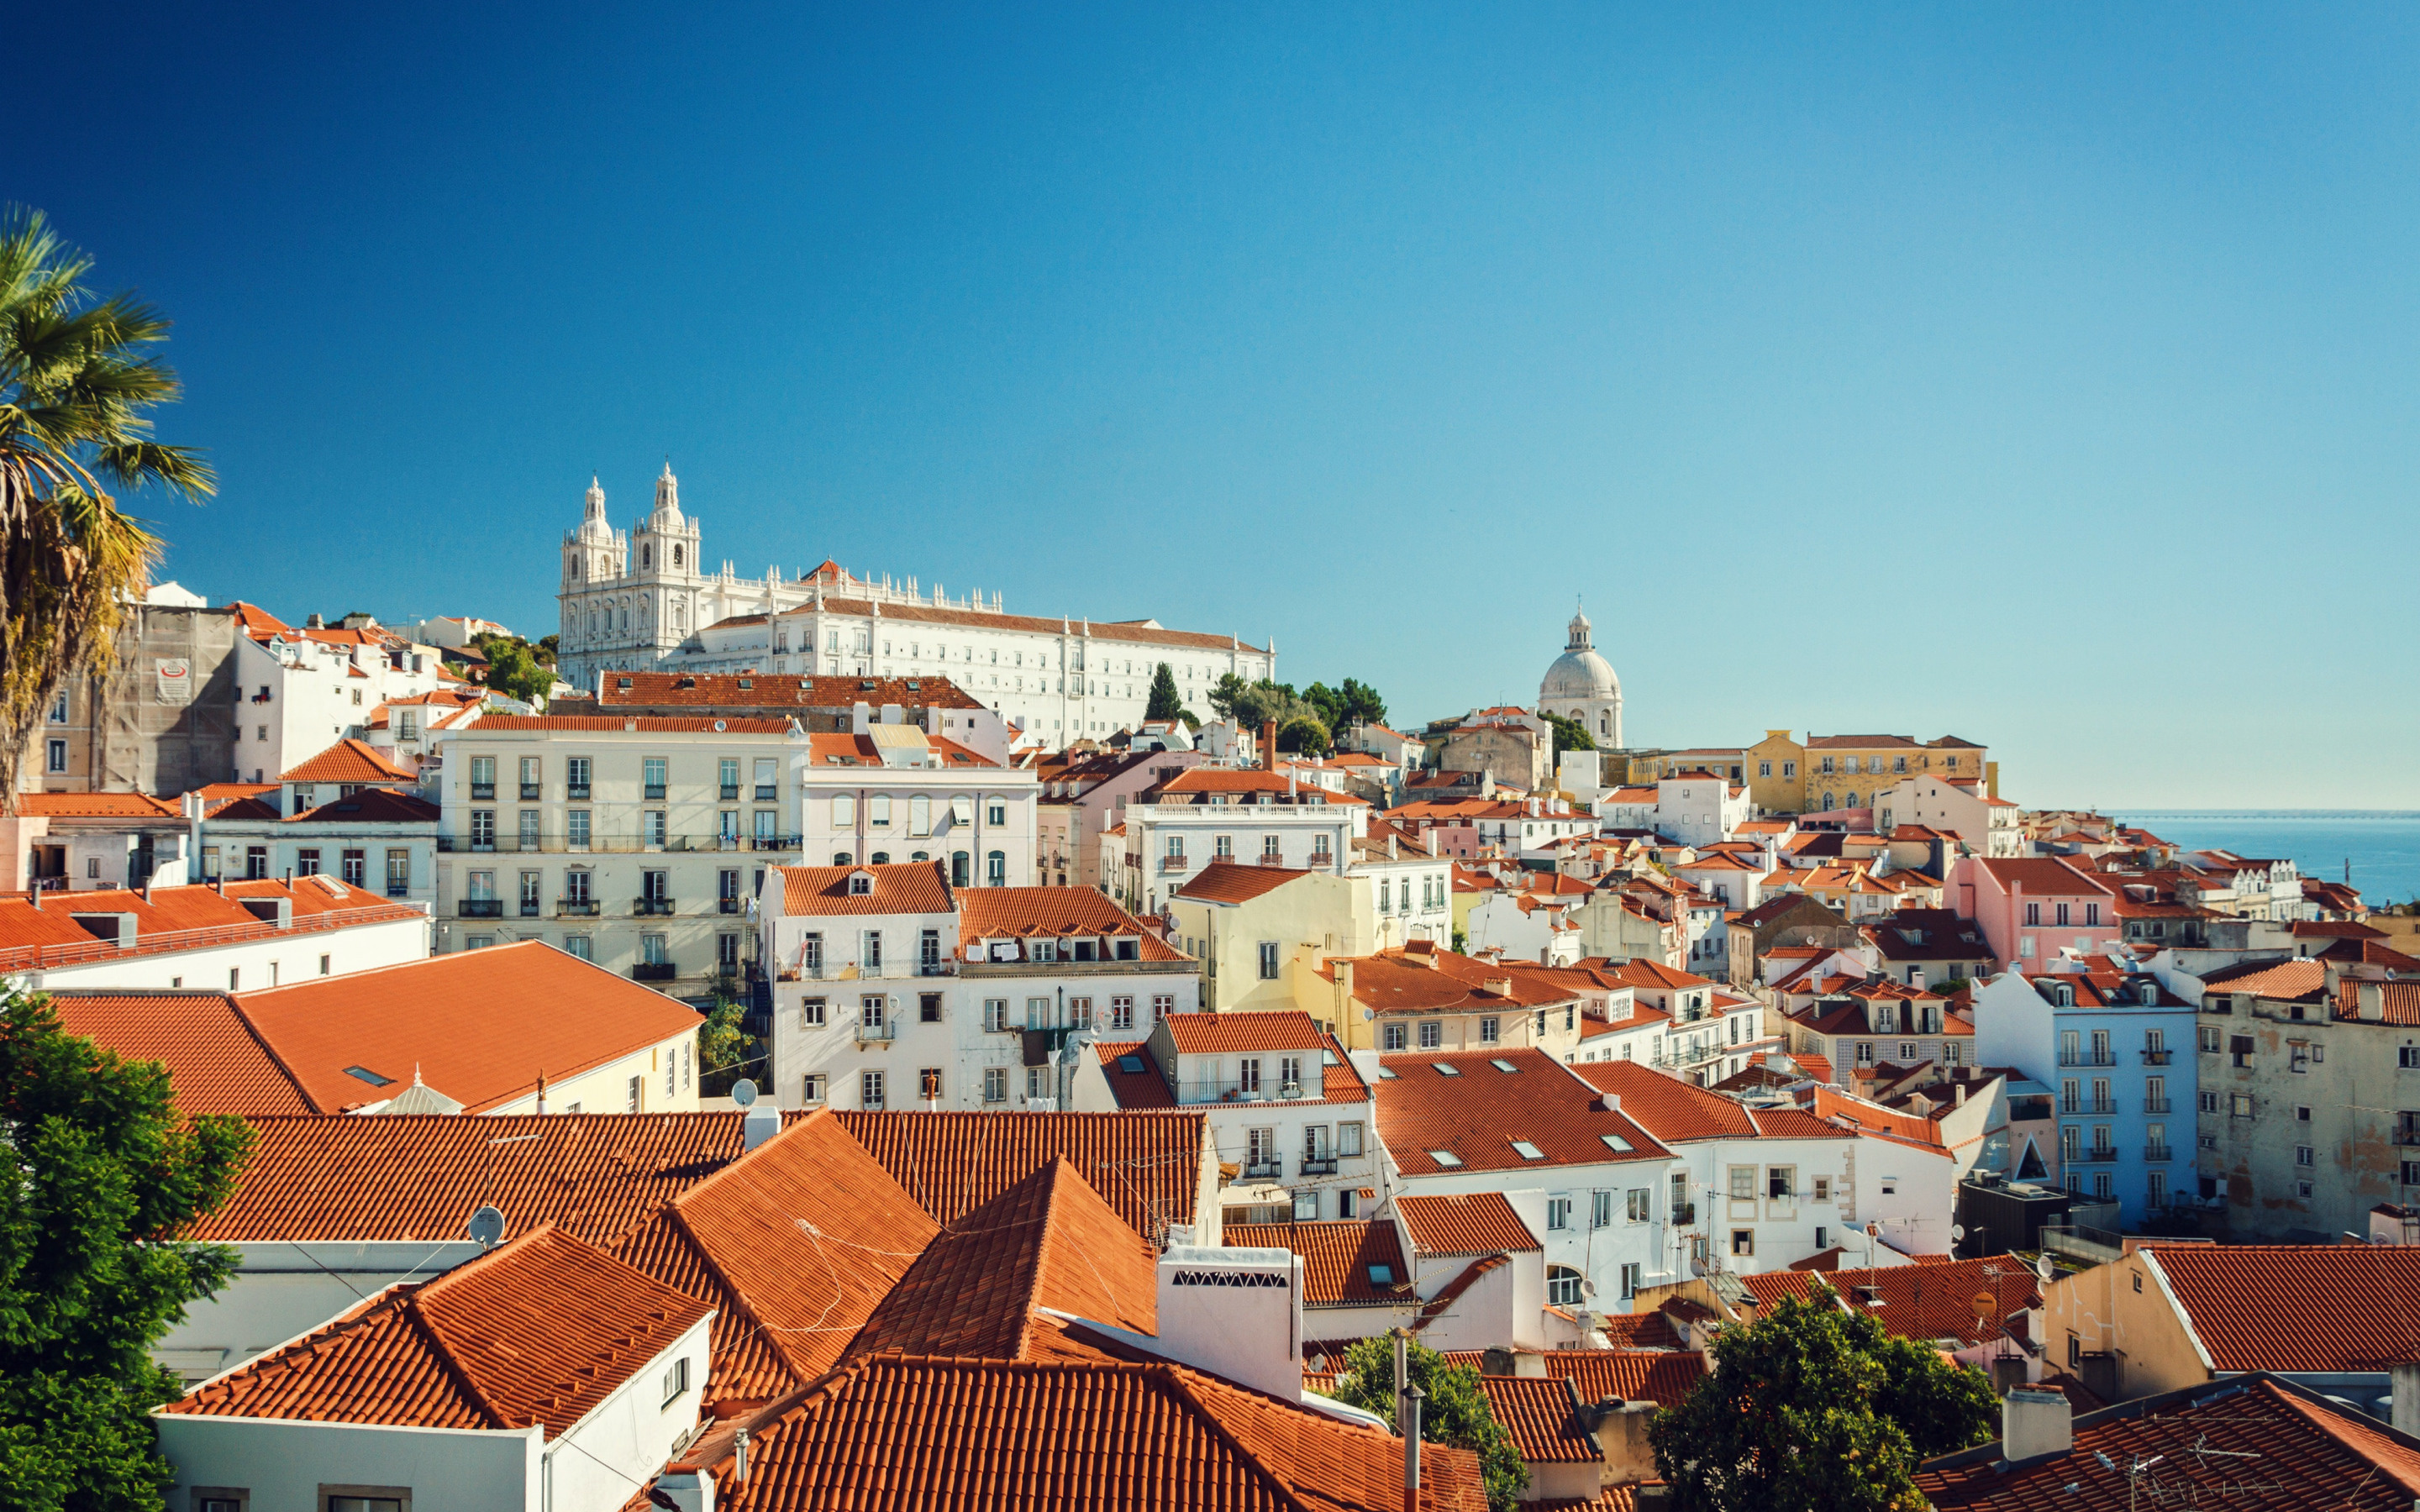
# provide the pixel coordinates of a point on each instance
(1779, 1182)
(1742, 1241)
(1600, 1209)
(1743, 1183)
(1393, 1038)
(676, 1381)
(530, 789)
(2240, 1105)
(869, 1089)
(356, 865)
(1489, 1031)
(56, 760)
(1559, 1212)
(1348, 1141)
(367, 1498)
(652, 777)
(1121, 1010)
(636, 1086)
(1641, 1205)
(306, 861)
(575, 829)
(810, 1012)
(1630, 1279)
(575, 777)
(1432, 1035)
(2240, 1049)
(1269, 960)
(996, 1014)
(1562, 1287)
(2208, 1036)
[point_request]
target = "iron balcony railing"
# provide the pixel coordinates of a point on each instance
(878, 971)
(882, 1033)
(559, 845)
(1171, 863)
(2155, 1104)
(479, 908)
(529, 908)
(1265, 1170)
(529, 792)
(2088, 1057)
(654, 971)
(2094, 1155)
(2157, 1058)
(730, 792)
(575, 908)
(726, 906)
(2158, 1152)
(651, 906)
(1321, 1166)
(482, 790)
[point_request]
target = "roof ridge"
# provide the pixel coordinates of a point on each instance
(435, 1339)
(235, 1002)
(744, 1309)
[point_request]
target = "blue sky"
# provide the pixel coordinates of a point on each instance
(2045, 376)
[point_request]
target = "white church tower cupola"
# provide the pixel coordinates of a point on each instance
(1581, 686)
(594, 553)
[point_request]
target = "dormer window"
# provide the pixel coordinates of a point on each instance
(860, 885)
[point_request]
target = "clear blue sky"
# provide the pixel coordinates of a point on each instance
(2042, 374)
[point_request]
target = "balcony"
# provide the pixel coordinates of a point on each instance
(2155, 1104)
(1269, 860)
(654, 971)
(653, 792)
(577, 791)
(730, 792)
(2158, 1154)
(575, 908)
(1170, 863)
(764, 792)
(876, 971)
(1265, 1170)
(399, 889)
(2407, 1135)
(2088, 1057)
(479, 908)
(776, 843)
(2157, 1058)
(651, 907)
(882, 1033)
(529, 792)
(529, 908)
(1323, 1166)
(2094, 1155)
(726, 906)
(482, 790)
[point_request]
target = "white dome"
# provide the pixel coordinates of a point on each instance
(593, 530)
(1579, 677)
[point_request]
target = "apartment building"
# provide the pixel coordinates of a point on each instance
(893, 988)
(1249, 924)
(299, 690)
(1175, 829)
(2032, 908)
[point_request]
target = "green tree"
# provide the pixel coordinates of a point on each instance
(1570, 734)
(103, 1176)
(1455, 1412)
(1304, 733)
(513, 667)
(77, 384)
(1814, 1407)
(1363, 705)
(1166, 703)
(727, 1050)
(547, 649)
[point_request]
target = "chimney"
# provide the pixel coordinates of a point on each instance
(541, 1094)
(2369, 998)
(1391, 852)
(2405, 1379)
(861, 717)
(1611, 1101)
(762, 1122)
(2035, 1424)
(1961, 1094)
(1268, 745)
(1234, 1312)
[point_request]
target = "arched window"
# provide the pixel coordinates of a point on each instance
(842, 858)
(677, 557)
(996, 870)
(646, 556)
(1562, 1287)
(1827, 803)
(959, 862)
(881, 857)
(1848, 802)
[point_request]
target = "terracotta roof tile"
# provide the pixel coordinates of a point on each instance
(370, 806)
(1053, 913)
(1480, 1114)
(1542, 1416)
(2398, 1001)
(216, 1064)
(1666, 1106)
(749, 690)
(2251, 1441)
(1919, 1302)
(1147, 1165)
(1219, 1034)
(538, 1333)
(1224, 882)
(1653, 1375)
(2297, 1308)
(631, 723)
(95, 806)
(1143, 1087)
(2044, 876)
(1337, 1257)
(898, 887)
(346, 761)
(1465, 1223)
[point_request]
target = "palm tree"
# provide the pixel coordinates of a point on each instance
(75, 384)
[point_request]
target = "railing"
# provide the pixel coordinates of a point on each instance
(766, 791)
(1267, 1170)
(530, 791)
(529, 908)
(1171, 863)
(575, 908)
(726, 906)
(1269, 1088)
(482, 790)
(2157, 1058)
(1269, 860)
(1323, 1166)
(2088, 1057)
(882, 1033)
(552, 844)
(651, 792)
(654, 971)
(2080, 1242)
(2093, 1155)
(2155, 1104)
(645, 907)
(479, 908)
(730, 792)
(879, 971)
(399, 889)
(2158, 1152)
(576, 790)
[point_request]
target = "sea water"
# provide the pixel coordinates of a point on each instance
(2381, 847)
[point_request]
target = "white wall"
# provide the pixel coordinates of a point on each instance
(280, 960)
(282, 1464)
(629, 1435)
(282, 1291)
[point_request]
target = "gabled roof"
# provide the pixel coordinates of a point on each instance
(1226, 1034)
(2280, 980)
(1465, 1223)
(370, 806)
(1659, 1376)
(1469, 1107)
(1542, 1415)
(2241, 1441)
(2399, 1001)
(434, 1019)
(137, 806)
(913, 1431)
(749, 690)
(1053, 913)
(1142, 1088)
(898, 887)
(348, 760)
(1398, 982)
(1882, 1122)
(1929, 935)
(1145, 1165)
(1049, 1240)
(1224, 882)
(2296, 1307)
(1337, 1255)
(1919, 1302)
(2043, 876)
(538, 1333)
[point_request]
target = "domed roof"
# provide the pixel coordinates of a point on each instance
(593, 530)
(1579, 675)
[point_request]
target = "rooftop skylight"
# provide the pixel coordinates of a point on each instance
(1617, 1142)
(1527, 1151)
(1445, 1157)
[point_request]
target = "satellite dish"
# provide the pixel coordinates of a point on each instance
(743, 1093)
(1984, 1304)
(721, 725)
(1957, 1232)
(487, 1226)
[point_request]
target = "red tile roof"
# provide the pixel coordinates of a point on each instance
(1337, 1255)
(899, 887)
(631, 724)
(1047, 1241)
(1543, 1418)
(1147, 1165)
(346, 761)
(748, 690)
(2251, 1442)
(1869, 1119)
(1224, 882)
(1225, 1034)
(1479, 1113)
(1634, 1375)
(1142, 1087)
(436, 1017)
(913, 1432)
(2297, 1308)
(1439, 980)
(538, 1333)
(1666, 1106)
(370, 806)
(2282, 980)
(180, 918)
(1465, 1223)
(2044, 876)
(1053, 913)
(2399, 1001)
(1652, 1330)
(95, 806)
(1919, 1302)
(216, 1064)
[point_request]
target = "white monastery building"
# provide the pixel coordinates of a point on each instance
(641, 600)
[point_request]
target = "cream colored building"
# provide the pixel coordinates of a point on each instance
(1256, 929)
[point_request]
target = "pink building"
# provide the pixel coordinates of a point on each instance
(2032, 908)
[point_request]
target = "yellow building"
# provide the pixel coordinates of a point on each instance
(1847, 771)
(1775, 773)
(1254, 928)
